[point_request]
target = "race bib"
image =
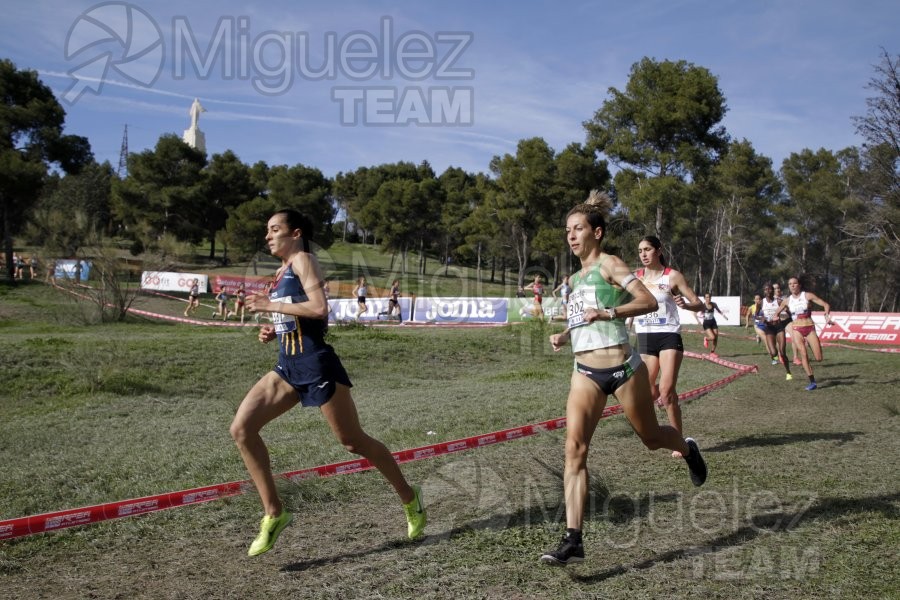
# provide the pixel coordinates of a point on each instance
(576, 308)
(283, 323)
(652, 319)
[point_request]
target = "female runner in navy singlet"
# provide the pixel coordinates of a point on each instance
(308, 372)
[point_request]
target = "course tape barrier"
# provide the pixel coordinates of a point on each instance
(849, 347)
(54, 521)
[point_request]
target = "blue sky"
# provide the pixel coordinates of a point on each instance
(793, 72)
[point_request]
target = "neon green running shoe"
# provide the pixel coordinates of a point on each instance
(416, 517)
(268, 532)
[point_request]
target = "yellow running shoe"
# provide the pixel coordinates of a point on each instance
(268, 532)
(416, 517)
(788, 377)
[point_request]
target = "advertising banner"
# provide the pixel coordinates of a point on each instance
(163, 281)
(345, 309)
(72, 269)
(251, 284)
(461, 310)
(869, 328)
(523, 309)
(729, 305)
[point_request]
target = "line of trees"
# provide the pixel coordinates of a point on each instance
(726, 217)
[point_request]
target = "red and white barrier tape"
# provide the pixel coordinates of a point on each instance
(849, 347)
(152, 315)
(25, 526)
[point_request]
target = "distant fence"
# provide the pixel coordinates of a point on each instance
(865, 327)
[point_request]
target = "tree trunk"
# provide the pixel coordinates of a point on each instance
(8, 243)
(729, 257)
(422, 257)
(659, 220)
(446, 255)
(478, 264)
(522, 256)
(555, 271)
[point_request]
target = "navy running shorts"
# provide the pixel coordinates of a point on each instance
(313, 375)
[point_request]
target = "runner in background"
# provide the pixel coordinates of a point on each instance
(786, 318)
(193, 298)
(240, 299)
(222, 300)
(394, 301)
(361, 291)
(708, 312)
(537, 288)
(751, 321)
(659, 332)
(803, 328)
(564, 289)
(770, 315)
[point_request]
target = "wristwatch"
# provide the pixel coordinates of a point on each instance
(611, 312)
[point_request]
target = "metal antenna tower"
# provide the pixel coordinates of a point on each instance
(123, 155)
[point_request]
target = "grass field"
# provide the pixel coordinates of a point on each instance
(802, 501)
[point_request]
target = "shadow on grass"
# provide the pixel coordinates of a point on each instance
(616, 509)
(825, 509)
(521, 518)
(837, 382)
(782, 439)
(830, 364)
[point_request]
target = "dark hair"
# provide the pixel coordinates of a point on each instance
(594, 210)
(807, 281)
(297, 220)
(657, 245)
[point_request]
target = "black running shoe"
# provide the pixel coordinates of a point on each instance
(568, 552)
(695, 463)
